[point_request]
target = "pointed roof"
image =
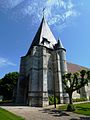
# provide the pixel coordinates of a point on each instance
(60, 44)
(43, 33)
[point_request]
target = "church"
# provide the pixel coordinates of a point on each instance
(41, 70)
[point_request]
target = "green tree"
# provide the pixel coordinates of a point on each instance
(73, 82)
(8, 84)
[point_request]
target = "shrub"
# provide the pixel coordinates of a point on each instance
(89, 97)
(70, 107)
(79, 99)
(51, 100)
(6, 101)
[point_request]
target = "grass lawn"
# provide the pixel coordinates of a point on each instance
(83, 108)
(5, 115)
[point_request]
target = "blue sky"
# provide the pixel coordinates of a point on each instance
(19, 20)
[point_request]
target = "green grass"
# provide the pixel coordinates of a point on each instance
(63, 107)
(83, 108)
(5, 115)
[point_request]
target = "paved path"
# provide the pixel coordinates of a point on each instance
(32, 113)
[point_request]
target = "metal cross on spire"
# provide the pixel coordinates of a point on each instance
(44, 11)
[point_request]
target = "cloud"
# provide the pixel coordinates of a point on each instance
(59, 11)
(70, 5)
(6, 62)
(70, 13)
(56, 11)
(59, 3)
(8, 4)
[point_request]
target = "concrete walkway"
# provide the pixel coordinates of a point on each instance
(33, 113)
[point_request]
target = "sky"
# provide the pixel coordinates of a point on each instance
(69, 20)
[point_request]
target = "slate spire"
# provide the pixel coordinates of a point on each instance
(43, 35)
(60, 44)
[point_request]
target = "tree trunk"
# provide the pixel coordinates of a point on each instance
(70, 98)
(70, 106)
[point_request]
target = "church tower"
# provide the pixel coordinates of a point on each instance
(41, 69)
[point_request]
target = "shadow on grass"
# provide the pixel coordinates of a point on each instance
(55, 112)
(83, 108)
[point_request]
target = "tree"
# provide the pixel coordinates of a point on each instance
(73, 82)
(8, 84)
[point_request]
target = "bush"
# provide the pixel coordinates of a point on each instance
(79, 99)
(6, 101)
(89, 97)
(70, 107)
(51, 100)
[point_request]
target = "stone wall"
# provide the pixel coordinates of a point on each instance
(41, 74)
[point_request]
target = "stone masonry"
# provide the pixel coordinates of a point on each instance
(41, 69)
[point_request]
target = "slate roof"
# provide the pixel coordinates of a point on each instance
(75, 68)
(43, 32)
(60, 44)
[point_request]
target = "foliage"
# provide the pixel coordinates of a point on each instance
(75, 81)
(70, 107)
(51, 100)
(8, 84)
(5, 101)
(5, 115)
(79, 99)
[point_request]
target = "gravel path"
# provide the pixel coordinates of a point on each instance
(32, 113)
